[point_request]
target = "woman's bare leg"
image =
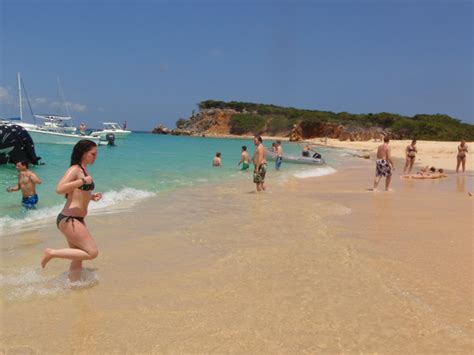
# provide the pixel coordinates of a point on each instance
(407, 165)
(76, 234)
(457, 165)
(75, 270)
(412, 161)
(463, 161)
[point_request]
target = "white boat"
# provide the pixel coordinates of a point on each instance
(57, 123)
(288, 158)
(43, 136)
(111, 127)
(54, 131)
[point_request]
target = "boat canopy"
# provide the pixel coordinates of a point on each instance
(54, 117)
(111, 125)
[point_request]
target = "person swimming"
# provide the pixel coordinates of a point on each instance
(217, 160)
(244, 159)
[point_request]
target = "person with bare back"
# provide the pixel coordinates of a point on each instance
(383, 164)
(77, 185)
(260, 164)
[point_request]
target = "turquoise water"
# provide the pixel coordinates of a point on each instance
(138, 167)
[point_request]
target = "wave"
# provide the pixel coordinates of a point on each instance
(27, 283)
(110, 203)
(315, 172)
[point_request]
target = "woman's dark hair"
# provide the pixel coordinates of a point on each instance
(81, 148)
(218, 154)
(244, 147)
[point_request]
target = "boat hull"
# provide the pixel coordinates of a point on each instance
(117, 134)
(297, 160)
(45, 137)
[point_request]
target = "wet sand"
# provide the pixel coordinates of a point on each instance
(312, 265)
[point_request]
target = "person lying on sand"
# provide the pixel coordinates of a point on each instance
(431, 174)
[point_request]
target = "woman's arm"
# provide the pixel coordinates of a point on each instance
(71, 181)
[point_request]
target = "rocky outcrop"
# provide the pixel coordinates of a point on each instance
(160, 129)
(218, 122)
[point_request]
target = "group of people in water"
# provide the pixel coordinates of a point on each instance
(258, 159)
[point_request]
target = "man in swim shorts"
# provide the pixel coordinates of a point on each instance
(260, 164)
(244, 159)
(383, 164)
(279, 155)
(27, 181)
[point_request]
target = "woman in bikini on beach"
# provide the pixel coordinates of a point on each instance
(410, 156)
(461, 157)
(77, 185)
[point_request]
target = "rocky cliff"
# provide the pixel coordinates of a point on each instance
(215, 121)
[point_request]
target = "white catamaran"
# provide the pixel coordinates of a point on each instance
(53, 131)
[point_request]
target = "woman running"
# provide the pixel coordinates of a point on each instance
(77, 185)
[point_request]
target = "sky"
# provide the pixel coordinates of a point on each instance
(151, 62)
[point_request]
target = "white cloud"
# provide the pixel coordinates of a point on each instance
(73, 106)
(40, 100)
(5, 96)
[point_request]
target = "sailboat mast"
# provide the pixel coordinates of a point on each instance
(19, 95)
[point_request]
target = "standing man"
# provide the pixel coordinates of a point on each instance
(27, 181)
(260, 164)
(384, 164)
(82, 129)
(278, 155)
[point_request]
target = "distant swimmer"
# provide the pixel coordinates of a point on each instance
(260, 164)
(278, 155)
(306, 152)
(217, 160)
(77, 185)
(27, 181)
(410, 153)
(383, 164)
(461, 157)
(244, 159)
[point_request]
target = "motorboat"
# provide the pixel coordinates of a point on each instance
(288, 158)
(111, 127)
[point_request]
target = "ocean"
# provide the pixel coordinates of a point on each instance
(139, 167)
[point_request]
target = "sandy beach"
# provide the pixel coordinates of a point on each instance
(432, 153)
(312, 265)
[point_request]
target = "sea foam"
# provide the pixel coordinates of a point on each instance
(315, 172)
(111, 202)
(30, 282)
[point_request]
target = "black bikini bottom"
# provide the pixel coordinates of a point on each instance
(68, 218)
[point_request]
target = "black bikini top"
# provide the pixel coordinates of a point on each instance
(86, 187)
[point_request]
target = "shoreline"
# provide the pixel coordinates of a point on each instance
(441, 154)
(316, 264)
